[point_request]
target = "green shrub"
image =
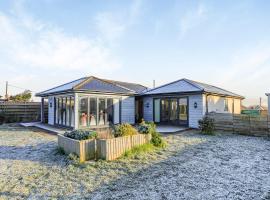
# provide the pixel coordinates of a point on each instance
(81, 134)
(157, 140)
(124, 130)
(146, 127)
(150, 128)
(206, 125)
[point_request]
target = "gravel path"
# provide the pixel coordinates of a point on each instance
(192, 167)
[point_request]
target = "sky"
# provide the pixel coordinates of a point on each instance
(49, 42)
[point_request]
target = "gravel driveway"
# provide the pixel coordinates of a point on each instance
(192, 167)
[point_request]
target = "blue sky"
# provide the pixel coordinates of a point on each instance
(48, 42)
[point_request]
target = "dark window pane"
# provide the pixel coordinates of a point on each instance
(83, 111)
(110, 110)
(93, 112)
(101, 112)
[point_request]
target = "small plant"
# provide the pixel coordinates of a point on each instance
(206, 125)
(81, 134)
(124, 130)
(157, 140)
(146, 127)
(150, 128)
(60, 150)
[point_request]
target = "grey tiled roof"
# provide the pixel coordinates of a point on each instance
(213, 89)
(186, 85)
(95, 84)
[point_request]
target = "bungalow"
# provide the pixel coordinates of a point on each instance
(92, 102)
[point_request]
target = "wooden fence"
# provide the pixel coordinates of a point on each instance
(22, 112)
(110, 149)
(107, 149)
(242, 124)
(85, 149)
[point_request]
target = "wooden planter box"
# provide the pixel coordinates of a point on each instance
(85, 149)
(110, 149)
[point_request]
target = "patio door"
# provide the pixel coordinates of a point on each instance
(173, 111)
(183, 111)
(165, 110)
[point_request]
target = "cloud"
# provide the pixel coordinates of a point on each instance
(29, 43)
(113, 25)
(192, 18)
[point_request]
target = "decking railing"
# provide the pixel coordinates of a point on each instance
(242, 124)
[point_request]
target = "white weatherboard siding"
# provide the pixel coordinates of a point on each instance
(148, 108)
(116, 111)
(195, 114)
(51, 110)
(128, 110)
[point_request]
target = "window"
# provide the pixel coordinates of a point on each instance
(93, 112)
(226, 105)
(183, 109)
(101, 111)
(109, 110)
(83, 112)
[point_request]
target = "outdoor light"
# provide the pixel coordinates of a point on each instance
(50, 104)
(147, 105)
(195, 105)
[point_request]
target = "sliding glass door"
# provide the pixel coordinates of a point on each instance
(64, 111)
(172, 111)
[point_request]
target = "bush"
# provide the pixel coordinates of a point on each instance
(157, 140)
(81, 134)
(150, 128)
(146, 127)
(206, 125)
(124, 130)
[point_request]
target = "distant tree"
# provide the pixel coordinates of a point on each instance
(22, 97)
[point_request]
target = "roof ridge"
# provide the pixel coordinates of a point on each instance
(216, 87)
(61, 85)
(112, 82)
(182, 79)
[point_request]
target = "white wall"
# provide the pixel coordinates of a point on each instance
(128, 110)
(195, 114)
(51, 110)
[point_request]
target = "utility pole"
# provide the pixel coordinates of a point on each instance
(7, 90)
(154, 83)
(260, 102)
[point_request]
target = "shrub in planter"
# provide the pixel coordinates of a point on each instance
(150, 128)
(146, 127)
(81, 134)
(124, 130)
(206, 125)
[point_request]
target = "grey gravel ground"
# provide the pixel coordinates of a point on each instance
(192, 167)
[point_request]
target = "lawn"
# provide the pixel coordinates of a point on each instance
(192, 167)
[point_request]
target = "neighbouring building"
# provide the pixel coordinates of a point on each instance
(92, 102)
